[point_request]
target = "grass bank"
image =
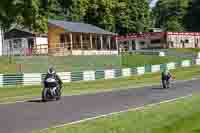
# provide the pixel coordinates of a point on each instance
(77, 63)
(182, 116)
(10, 94)
(136, 60)
(186, 50)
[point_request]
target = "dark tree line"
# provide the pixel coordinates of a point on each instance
(120, 16)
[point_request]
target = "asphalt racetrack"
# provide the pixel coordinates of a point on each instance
(24, 117)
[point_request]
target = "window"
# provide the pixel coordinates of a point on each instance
(87, 38)
(186, 41)
(77, 38)
(196, 45)
(142, 43)
(155, 41)
(17, 43)
(171, 43)
(62, 38)
(83, 37)
(125, 43)
(197, 41)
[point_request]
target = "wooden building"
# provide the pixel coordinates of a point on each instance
(72, 38)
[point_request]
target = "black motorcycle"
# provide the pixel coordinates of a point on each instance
(51, 90)
(166, 84)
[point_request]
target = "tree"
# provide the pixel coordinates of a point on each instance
(35, 15)
(139, 15)
(121, 16)
(173, 25)
(28, 13)
(99, 13)
(132, 16)
(77, 10)
(9, 11)
(65, 5)
(55, 10)
(192, 18)
(171, 10)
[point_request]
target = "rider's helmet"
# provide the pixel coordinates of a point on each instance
(51, 70)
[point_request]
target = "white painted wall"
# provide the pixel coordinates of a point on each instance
(109, 74)
(198, 55)
(155, 68)
(41, 40)
(185, 63)
(7, 50)
(140, 70)
(32, 78)
(88, 75)
(94, 52)
(126, 72)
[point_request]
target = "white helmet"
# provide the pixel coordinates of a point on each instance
(51, 70)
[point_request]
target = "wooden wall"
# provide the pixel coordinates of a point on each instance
(54, 35)
(54, 39)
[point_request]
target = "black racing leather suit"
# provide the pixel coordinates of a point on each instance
(165, 78)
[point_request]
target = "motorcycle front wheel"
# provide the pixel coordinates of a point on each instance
(45, 94)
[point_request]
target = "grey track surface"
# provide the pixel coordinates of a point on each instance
(34, 115)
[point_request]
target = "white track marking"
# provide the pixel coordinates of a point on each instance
(115, 113)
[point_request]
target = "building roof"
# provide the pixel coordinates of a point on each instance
(18, 33)
(21, 32)
(79, 27)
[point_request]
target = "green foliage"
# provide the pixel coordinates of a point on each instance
(100, 14)
(121, 16)
(77, 10)
(29, 13)
(9, 10)
(177, 15)
(173, 25)
(193, 16)
(186, 50)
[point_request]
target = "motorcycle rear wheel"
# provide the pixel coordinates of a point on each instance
(58, 93)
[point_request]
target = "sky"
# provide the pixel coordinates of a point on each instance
(153, 3)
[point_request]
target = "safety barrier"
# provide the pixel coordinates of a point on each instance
(36, 78)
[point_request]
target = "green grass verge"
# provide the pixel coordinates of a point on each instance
(141, 60)
(70, 63)
(186, 50)
(182, 116)
(78, 63)
(10, 94)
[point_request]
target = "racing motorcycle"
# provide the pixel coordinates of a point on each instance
(166, 84)
(51, 90)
